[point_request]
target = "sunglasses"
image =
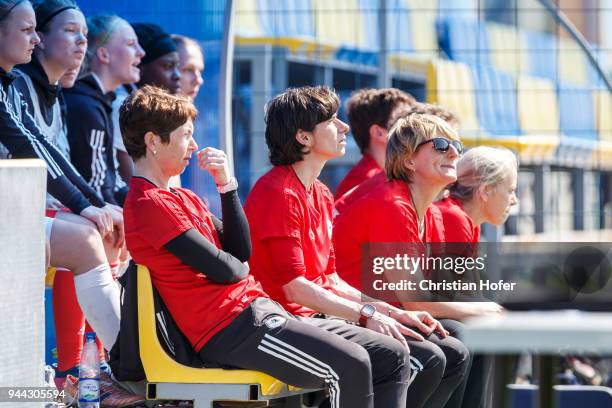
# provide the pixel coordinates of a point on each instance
(442, 145)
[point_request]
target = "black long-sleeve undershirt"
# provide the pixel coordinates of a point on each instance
(226, 265)
(233, 231)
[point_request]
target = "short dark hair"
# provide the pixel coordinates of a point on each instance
(367, 107)
(151, 109)
(426, 109)
(296, 108)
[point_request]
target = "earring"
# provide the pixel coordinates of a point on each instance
(154, 152)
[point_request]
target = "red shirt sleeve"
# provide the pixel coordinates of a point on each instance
(162, 219)
(287, 258)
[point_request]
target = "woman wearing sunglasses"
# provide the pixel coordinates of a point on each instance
(421, 159)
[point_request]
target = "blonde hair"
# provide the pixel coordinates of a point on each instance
(100, 27)
(404, 137)
(429, 109)
(482, 165)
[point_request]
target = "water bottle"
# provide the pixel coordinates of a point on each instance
(89, 374)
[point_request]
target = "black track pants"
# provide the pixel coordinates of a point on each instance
(439, 366)
(309, 354)
(474, 391)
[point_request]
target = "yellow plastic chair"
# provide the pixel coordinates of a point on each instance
(248, 31)
(420, 25)
(423, 15)
(50, 276)
(602, 106)
(539, 116)
(572, 63)
(450, 84)
(508, 48)
(338, 23)
(167, 379)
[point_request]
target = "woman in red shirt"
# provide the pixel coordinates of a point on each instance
(484, 192)
(421, 156)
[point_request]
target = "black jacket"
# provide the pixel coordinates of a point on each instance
(23, 139)
(47, 93)
(90, 135)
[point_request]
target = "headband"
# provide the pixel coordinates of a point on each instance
(43, 21)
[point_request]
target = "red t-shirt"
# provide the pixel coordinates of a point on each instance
(363, 170)
(384, 215)
(458, 226)
(153, 217)
(291, 233)
(359, 191)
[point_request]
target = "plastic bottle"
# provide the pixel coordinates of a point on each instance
(89, 374)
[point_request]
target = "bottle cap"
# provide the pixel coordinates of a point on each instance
(90, 336)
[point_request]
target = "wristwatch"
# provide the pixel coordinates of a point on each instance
(231, 185)
(366, 312)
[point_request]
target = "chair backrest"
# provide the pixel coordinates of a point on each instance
(286, 18)
(247, 20)
(411, 27)
(465, 41)
(573, 63)
(338, 23)
(158, 365)
(400, 38)
(423, 21)
(459, 9)
(602, 106)
(450, 84)
(538, 109)
(541, 54)
(496, 101)
(577, 117)
(161, 368)
(508, 47)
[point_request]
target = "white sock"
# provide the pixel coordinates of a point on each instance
(123, 266)
(98, 295)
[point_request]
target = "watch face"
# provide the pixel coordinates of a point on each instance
(368, 310)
